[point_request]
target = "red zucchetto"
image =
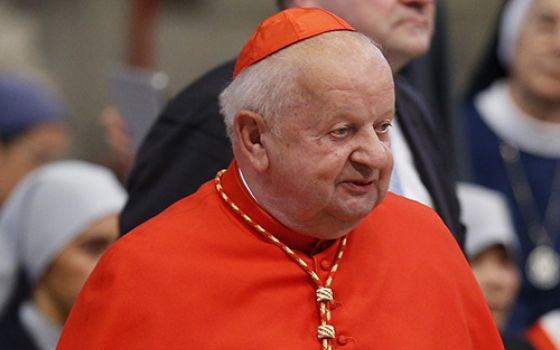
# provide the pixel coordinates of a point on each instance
(284, 29)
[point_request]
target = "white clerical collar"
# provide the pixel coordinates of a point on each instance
(245, 184)
(503, 116)
(45, 333)
(405, 179)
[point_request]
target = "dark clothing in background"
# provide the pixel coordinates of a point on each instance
(430, 153)
(430, 74)
(488, 169)
(187, 146)
(516, 343)
(13, 336)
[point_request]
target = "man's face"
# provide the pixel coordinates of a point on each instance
(330, 160)
(536, 67)
(402, 27)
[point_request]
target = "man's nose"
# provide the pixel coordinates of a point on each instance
(371, 151)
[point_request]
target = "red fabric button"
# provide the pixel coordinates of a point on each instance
(334, 304)
(325, 265)
(342, 340)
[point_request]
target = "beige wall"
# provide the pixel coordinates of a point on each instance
(471, 23)
(81, 38)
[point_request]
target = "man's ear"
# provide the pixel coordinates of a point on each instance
(248, 128)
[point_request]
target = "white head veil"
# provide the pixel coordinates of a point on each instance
(513, 18)
(488, 220)
(46, 211)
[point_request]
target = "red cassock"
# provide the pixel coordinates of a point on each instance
(198, 276)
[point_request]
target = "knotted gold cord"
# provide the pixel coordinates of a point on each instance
(324, 294)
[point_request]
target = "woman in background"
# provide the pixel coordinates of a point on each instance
(493, 252)
(32, 128)
(54, 227)
(513, 143)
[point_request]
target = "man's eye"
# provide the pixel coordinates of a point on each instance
(383, 128)
(340, 132)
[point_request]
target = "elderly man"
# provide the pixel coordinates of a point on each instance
(187, 145)
(295, 245)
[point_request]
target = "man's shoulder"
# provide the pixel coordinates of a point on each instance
(412, 223)
(413, 234)
(394, 205)
(177, 222)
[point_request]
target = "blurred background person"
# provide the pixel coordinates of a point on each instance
(32, 128)
(513, 143)
(53, 228)
(50, 34)
(492, 249)
(121, 150)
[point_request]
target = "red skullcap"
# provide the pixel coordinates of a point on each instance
(284, 29)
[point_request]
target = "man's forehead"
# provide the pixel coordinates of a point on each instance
(342, 89)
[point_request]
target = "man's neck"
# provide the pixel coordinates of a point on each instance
(397, 62)
(326, 229)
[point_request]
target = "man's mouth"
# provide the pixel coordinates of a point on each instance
(362, 183)
(417, 21)
(359, 185)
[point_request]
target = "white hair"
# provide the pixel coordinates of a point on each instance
(272, 87)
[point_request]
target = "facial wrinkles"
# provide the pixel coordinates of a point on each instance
(366, 152)
(314, 131)
(338, 89)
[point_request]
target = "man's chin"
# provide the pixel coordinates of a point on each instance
(413, 45)
(355, 213)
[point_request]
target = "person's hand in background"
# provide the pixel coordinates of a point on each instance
(121, 148)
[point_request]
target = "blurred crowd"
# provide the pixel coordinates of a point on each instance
(59, 215)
